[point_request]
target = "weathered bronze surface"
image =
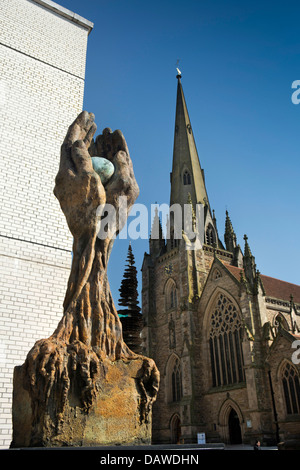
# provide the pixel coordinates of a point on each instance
(83, 385)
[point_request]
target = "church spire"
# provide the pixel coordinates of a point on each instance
(187, 175)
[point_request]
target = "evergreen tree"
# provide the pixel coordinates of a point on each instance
(130, 314)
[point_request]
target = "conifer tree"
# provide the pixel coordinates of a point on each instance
(130, 314)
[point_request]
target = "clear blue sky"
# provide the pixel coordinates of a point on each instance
(238, 61)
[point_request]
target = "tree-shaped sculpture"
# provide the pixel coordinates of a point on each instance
(72, 387)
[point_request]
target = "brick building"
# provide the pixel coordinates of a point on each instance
(43, 54)
(222, 334)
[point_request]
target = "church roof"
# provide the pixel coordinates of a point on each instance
(280, 289)
(274, 288)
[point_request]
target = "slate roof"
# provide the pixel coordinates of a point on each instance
(274, 288)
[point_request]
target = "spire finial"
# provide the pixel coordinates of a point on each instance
(178, 71)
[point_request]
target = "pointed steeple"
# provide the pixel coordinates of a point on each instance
(187, 175)
(249, 263)
(229, 236)
(156, 241)
(247, 251)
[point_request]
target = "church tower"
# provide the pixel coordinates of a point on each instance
(174, 274)
(211, 319)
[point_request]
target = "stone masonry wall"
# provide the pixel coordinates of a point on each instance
(42, 60)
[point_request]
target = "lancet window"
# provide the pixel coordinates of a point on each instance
(186, 178)
(291, 389)
(210, 235)
(171, 295)
(225, 343)
(176, 382)
(172, 334)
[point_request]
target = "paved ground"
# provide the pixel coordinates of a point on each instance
(246, 447)
(158, 448)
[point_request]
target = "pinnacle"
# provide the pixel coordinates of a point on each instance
(247, 252)
(228, 225)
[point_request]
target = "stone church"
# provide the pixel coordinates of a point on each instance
(223, 335)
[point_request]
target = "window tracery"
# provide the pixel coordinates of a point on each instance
(225, 342)
(291, 388)
(210, 235)
(216, 274)
(176, 382)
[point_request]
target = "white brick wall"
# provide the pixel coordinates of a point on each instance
(44, 35)
(42, 63)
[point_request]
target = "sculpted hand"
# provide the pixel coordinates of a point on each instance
(82, 195)
(122, 188)
(78, 187)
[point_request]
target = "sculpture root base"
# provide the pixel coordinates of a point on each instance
(82, 403)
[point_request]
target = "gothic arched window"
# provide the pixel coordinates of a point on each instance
(186, 178)
(176, 382)
(171, 295)
(291, 389)
(225, 343)
(210, 235)
(172, 334)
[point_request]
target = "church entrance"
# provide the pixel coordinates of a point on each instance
(175, 429)
(235, 434)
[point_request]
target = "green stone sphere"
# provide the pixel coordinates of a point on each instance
(104, 168)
